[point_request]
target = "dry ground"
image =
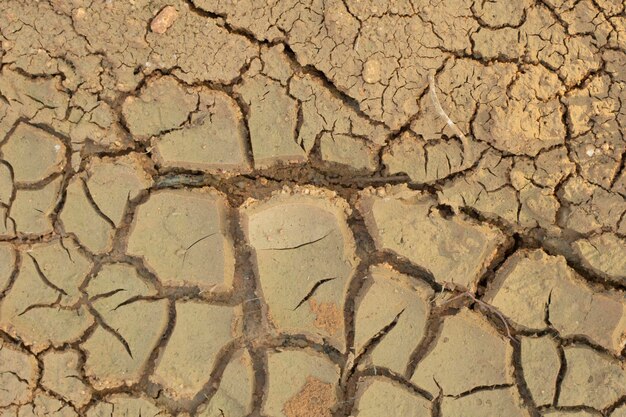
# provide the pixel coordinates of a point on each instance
(312, 208)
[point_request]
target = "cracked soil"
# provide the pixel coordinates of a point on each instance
(312, 208)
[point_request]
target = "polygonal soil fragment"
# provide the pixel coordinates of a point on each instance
(8, 257)
(82, 217)
(60, 375)
(493, 402)
(455, 250)
(31, 208)
(45, 405)
(272, 119)
(592, 379)
(522, 288)
(131, 325)
(468, 353)
(37, 99)
(18, 375)
(200, 333)
(183, 237)
(350, 151)
(323, 111)
(62, 264)
(486, 189)
(604, 254)
(541, 364)
(426, 161)
(113, 182)
(590, 208)
(123, 405)
(600, 315)
(459, 88)
(162, 105)
(382, 68)
(386, 295)
(33, 153)
(595, 117)
(213, 140)
(527, 119)
(538, 205)
(534, 289)
(96, 125)
(379, 397)
(300, 384)
(234, 395)
(40, 307)
(304, 255)
(193, 37)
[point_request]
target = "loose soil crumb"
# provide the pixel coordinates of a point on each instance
(315, 399)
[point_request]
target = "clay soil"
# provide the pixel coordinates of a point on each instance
(312, 208)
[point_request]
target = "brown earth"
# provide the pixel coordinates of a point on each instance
(229, 208)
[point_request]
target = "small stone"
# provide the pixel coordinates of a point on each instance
(164, 19)
(371, 71)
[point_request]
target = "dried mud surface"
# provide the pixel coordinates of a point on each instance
(298, 208)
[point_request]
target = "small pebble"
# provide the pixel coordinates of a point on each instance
(164, 19)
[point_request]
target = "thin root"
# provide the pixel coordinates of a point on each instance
(486, 306)
(467, 151)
